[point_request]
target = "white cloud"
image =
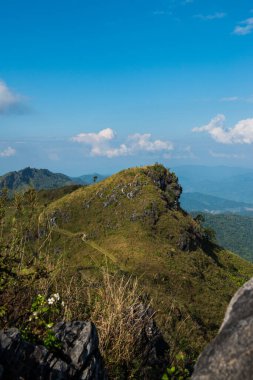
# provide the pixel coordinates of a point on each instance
(95, 138)
(244, 27)
(241, 133)
(8, 152)
(215, 16)
(225, 155)
(122, 150)
(184, 152)
(143, 142)
(9, 101)
(99, 144)
(230, 99)
(97, 141)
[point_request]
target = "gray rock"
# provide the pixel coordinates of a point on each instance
(230, 355)
(78, 359)
(151, 344)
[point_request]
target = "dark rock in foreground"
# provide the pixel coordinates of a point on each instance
(230, 355)
(78, 359)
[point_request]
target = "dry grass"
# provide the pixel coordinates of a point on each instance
(116, 314)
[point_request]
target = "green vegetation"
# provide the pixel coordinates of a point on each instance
(179, 370)
(233, 232)
(38, 327)
(132, 225)
(35, 178)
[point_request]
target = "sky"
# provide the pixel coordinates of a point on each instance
(98, 86)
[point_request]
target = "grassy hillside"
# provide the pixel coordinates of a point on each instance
(131, 224)
(233, 232)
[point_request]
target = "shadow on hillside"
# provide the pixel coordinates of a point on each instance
(211, 249)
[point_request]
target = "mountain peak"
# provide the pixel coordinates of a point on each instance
(31, 177)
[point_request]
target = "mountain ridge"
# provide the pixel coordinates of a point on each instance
(195, 201)
(133, 223)
(31, 177)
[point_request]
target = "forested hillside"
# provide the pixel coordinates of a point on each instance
(233, 232)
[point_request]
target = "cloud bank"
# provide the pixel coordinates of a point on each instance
(101, 144)
(8, 152)
(225, 155)
(245, 27)
(215, 16)
(241, 133)
(9, 101)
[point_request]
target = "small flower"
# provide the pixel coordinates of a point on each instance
(56, 296)
(50, 301)
(35, 313)
(63, 303)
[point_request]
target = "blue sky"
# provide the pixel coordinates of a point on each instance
(99, 86)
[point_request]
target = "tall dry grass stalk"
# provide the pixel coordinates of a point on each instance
(116, 314)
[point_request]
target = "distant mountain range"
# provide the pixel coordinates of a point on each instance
(215, 190)
(43, 179)
(235, 184)
(214, 205)
(36, 178)
(87, 179)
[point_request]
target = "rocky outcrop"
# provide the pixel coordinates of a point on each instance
(151, 344)
(78, 359)
(167, 182)
(229, 355)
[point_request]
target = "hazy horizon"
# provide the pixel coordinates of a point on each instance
(98, 87)
(238, 169)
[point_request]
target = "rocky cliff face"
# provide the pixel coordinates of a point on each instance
(78, 359)
(229, 355)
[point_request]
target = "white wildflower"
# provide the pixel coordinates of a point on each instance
(35, 313)
(63, 303)
(56, 296)
(50, 301)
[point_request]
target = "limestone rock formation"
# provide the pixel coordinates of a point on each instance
(230, 354)
(78, 359)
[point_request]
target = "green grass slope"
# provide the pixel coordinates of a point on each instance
(133, 223)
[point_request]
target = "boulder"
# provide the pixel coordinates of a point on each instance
(230, 354)
(151, 344)
(78, 359)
